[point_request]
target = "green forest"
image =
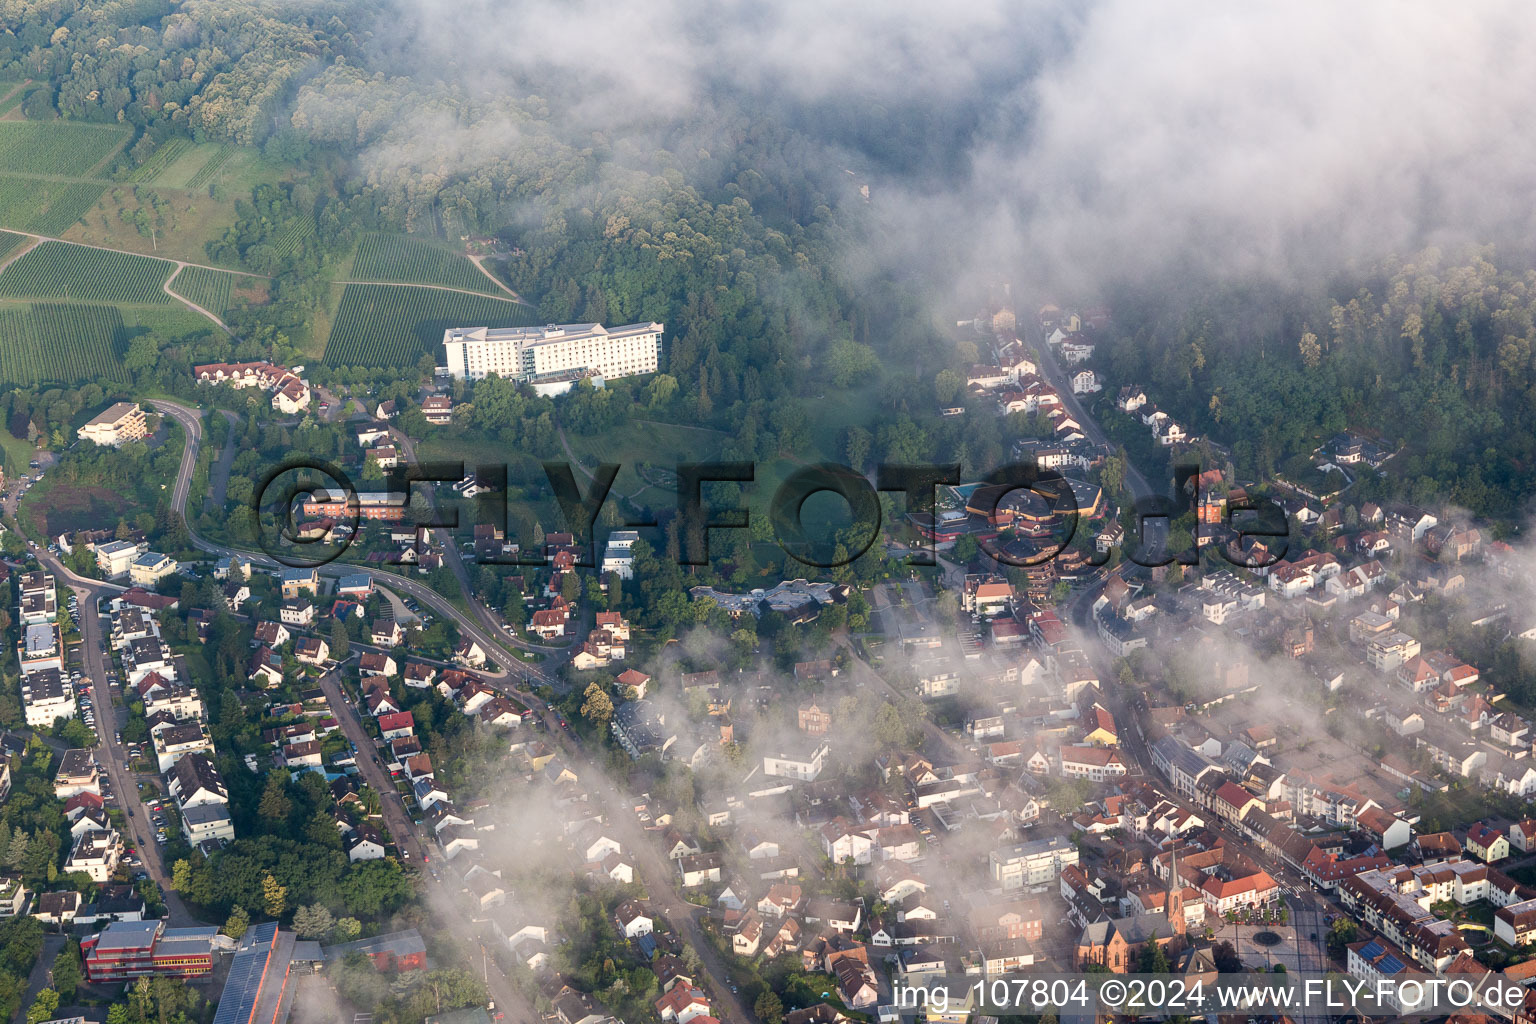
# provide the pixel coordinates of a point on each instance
(735, 254)
(739, 251)
(1431, 355)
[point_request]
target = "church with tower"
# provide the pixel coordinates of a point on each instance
(1117, 943)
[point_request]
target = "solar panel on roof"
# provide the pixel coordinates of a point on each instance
(1390, 965)
(1373, 950)
(243, 986)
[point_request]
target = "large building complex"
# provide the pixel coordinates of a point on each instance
(290, 394)
(554, 357)
(119, 424)
(125, 950)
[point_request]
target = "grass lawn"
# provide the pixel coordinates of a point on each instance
(1440, 811)
(662, 445)
(18, 452)
(824, 508)
(471, 448)
(191, 222)
(215, 161)
(194, 218)
(840, 408)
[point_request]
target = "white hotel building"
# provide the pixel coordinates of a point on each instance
(552, 358)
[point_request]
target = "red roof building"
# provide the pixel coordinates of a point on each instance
(125, 950)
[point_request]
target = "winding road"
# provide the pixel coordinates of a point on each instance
(191, 423)
(659, 873)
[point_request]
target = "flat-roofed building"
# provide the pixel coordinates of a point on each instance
(125, 950)
(117, 424)
(172, 742)
(39, 598)
(803, 764)
(618, 556)
(115, 557)
(1033, 863)
(1390, 650)
(78, 773)
(96, 852)
(41, 648)
(553, 357)
(203, 823)
(150, 568)
(45, 696)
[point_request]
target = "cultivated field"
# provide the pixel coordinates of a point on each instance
(403, 260)
(56, 147)
(395, 325)
(44, 206)
(56, 342)
(11, 95)
(208, 288)
(163, 157)
(58, 270)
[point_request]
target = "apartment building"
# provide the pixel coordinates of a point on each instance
(1033, 863)
(115, 557)
(804, 764)
(617, 554)
(117, 425)
(39, 598)
(1388, 651)
(150, 568)
(554, 357)
(45, 696)
(96, 852)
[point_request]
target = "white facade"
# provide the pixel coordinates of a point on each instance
(203, 822)
(96, 852)
(802, 765)
(1034, 863)
(46, 696)
(115, 557)
(150, 567)
(554, 354)
(617, 555)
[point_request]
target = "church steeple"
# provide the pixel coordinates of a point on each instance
(1175, 901)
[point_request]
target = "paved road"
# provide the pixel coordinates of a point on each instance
(554, 656)
(41, 976)
(1309, 905)
(660, 875)
(114, 755)
(1051, 370)
(370, 763)
(218, 475)
(434, 873)
(468, 627)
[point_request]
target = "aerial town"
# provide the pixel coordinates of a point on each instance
(1239, 762)
(572, 513)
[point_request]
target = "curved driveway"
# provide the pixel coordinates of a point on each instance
(468, 627)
